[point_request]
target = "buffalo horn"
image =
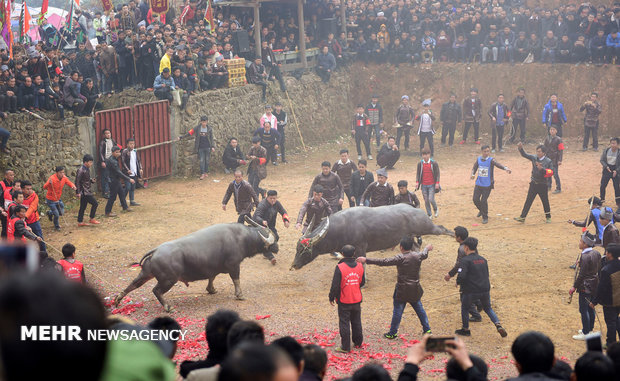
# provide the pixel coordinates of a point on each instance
(309, 228)
(252, 222)
(320, 234)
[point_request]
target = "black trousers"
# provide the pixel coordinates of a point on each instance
(4, 225)
(473, 309)
(115, 190)
(497, 136)
(350, 319)
(388, 160)
(362, 136)
(612, 321)
(84, 201)
(403, 131)
(520, 124)
(468, 125)
(586, 136)
(427, 136)
(448, 129)
(263, 86)
(282, 143)
(481, 195)
(163, 93)
(615, 181)
(272, 154)
(277, 73)
(241, 218)
(556, 177)
(541, 191)
(348, 194)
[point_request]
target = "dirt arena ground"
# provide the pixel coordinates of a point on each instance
(528, 263)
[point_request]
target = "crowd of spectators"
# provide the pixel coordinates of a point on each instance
(238, 350)
(133, 47)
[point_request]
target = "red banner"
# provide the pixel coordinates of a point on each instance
(159, 6)
(107, 5)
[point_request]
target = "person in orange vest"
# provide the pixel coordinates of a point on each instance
(18, 199)
(6, 185)
(17, 228)
(346, 291)
(31, 201)
(53, 196)
(72, 268)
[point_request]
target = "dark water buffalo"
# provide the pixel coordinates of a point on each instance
(218, 249)
(368, 229)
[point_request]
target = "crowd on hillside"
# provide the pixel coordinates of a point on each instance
(179, 50)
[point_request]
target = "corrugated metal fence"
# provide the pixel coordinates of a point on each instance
(148, 123)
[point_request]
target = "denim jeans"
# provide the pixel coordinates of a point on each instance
(36, 229)
(105, 181)
(397, 314)
(131, 188)
(4, 137)
(468, 298)
(587, 314)
(204, 154)
(612, 322)
(428, 192)
(57, 208)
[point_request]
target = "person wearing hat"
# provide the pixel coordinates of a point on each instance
(425, 129)
(404, 117)
(542, 168)
(204, 144)
(610, 231)
(375, 115)
(380, 192)
(359, 130)
(586, 283)
(472, 112)
(316, 207)
(164, 86)
(608, 291)
(595, 213)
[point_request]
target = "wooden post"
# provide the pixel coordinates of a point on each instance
(302, 33)
(343, 17)
(257, 29)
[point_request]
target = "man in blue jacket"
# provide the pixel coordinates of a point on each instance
(326, 63)
(553, 114)
(613, 47)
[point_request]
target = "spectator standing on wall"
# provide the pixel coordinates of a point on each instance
(258, 76)
(203, 144)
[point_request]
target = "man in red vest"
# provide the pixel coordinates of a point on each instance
(346, 291)
(72, 268)
(17, 228)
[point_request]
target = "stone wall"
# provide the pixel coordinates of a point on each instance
(573, 85)
(37, 146)
(322, 113)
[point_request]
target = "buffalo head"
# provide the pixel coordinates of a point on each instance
(305, 253)
(265, 234)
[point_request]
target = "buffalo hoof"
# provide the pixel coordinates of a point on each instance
(240, 297)
(168, 309)
(117, 300)
(211, 291)
(273, 261)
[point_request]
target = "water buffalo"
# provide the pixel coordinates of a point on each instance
(218, 249)
(368, 229)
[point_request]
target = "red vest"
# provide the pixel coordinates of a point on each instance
(73, 271)
(10, 230)
(350, 292)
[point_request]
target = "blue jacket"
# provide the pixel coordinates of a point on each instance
(326, 61)
(547, 111)
(160, 80)
(613, 41)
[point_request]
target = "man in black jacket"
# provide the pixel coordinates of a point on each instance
(475, 284)
(245, 197)
(360, 180)
(105, 151)
(534, 355)
(203, 144)
(258, 76)
(520, 111)
(610, 160)
(408, 288)
(542, 168)
(83, 183)
(388, 154)
(266, 213)
(449, 116)
(282, 119)
(608, 291)
(132, 168)
(115, 182)
(233, 157)
(346, 291)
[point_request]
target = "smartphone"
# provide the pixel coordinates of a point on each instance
(18, 257)
(594, 342)
(438, 344)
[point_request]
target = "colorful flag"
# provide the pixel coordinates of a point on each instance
(8, 37)
(159, 6)
(24, 22)
(184, 14)
(209, 16)
(70, 22)
(43, 12)
(107, 5)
